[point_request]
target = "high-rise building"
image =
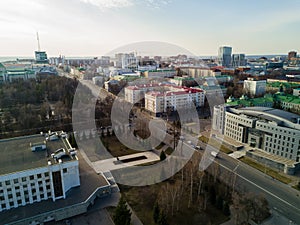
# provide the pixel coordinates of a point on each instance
(224, 56)
(238, 60)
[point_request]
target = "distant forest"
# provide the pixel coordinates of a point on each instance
(32, 106)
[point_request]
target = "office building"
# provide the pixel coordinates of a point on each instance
(238, 60)
(224, 56)
(36, 168)
(255, 87)
(275, 132)
(41, 57)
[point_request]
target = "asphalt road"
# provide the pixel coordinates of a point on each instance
(281, 197)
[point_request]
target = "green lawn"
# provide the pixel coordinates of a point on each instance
(169, 151)
(276, 175)
(115, 147)
(160, 146)
(216, 144)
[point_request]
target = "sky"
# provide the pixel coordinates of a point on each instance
(96, 27)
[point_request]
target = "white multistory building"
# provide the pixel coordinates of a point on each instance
(161, 98)
(34, 169)
(273, 131)
(255, 87)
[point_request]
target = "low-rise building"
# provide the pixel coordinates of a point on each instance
(255, 87)
(159, 73)
(244, 101)
(196, 72)
(33, 169)
(15, 71)
(296, 92)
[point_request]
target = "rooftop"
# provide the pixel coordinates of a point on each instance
(270, 114)
(289, 98)
(89, 182)
(16, 154)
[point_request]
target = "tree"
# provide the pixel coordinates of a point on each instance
(122, 215)
(156, 212)
(162, 156)
(226, 209)
(162, 220)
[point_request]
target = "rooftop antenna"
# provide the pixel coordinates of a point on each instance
(38, 39)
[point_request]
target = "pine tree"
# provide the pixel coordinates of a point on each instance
(122, 215)
(162, 156)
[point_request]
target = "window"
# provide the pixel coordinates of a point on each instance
(7, 182)
(31, 177)
(65, 170)
(15, 181)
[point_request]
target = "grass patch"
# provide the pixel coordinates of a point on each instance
(297, 187)
(115, 147)
(169, 151)
(276, 175)
(215, 144)
(160, 146)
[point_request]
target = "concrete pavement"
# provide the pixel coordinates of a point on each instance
(114, 164)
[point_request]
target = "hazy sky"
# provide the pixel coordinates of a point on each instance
(95, 27)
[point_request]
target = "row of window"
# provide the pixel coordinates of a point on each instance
(286, 155)
(284, 131)
(24, 179)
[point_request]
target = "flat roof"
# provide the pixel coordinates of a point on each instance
(270, 113)
(89, 182)
(16, 154)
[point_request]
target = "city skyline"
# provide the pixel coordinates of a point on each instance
(96, 27)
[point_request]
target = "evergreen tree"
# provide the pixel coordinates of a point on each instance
(226, 209)
(219, 202)
(162, 156)
(156, 213)
(212, 195)
(122, 215)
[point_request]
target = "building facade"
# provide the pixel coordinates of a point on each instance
(29, 176)
(224, 56)
(160, 98)
(238, 60)
(255, 87)
(273, 131)
(158, 102)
